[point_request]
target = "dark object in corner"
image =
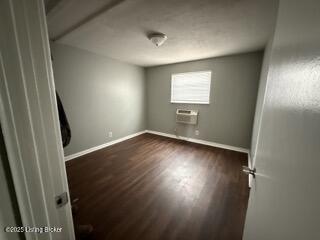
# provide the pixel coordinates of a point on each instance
(64, 124)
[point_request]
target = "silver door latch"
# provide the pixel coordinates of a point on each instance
(248, 171)
(61, 199)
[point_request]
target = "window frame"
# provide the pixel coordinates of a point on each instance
(186, 102)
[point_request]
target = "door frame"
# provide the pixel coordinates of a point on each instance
(29, 118)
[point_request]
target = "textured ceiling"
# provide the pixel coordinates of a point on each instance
(196, 29)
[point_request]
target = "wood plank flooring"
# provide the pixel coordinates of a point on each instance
(152, 187)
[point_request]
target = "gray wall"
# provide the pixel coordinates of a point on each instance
(284, 200)
(99, 95)
(229, 117)
(9, 211)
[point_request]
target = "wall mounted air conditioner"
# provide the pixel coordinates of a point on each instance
(186, 116)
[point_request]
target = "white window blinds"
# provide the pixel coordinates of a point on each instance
(191, 87)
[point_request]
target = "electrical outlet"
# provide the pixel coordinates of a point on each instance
(196, 132)
(110, 134)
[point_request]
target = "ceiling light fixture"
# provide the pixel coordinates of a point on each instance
(157, 38)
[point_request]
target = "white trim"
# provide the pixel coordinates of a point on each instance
(13, 147)
(29, 118)
(194, 140)
(84, 152)
(266, 62)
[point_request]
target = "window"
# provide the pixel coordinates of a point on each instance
(191, 87)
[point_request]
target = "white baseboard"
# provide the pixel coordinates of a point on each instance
(75, 155)
(213, 144)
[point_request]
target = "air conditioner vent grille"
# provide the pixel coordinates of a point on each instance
(186, 116)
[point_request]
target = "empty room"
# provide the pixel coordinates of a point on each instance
(159, 120)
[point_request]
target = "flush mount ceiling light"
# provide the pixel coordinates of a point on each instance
(157, 38)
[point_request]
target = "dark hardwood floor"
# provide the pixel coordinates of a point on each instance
(152, 187)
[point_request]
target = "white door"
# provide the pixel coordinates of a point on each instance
(29, 119)
(284, 201)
